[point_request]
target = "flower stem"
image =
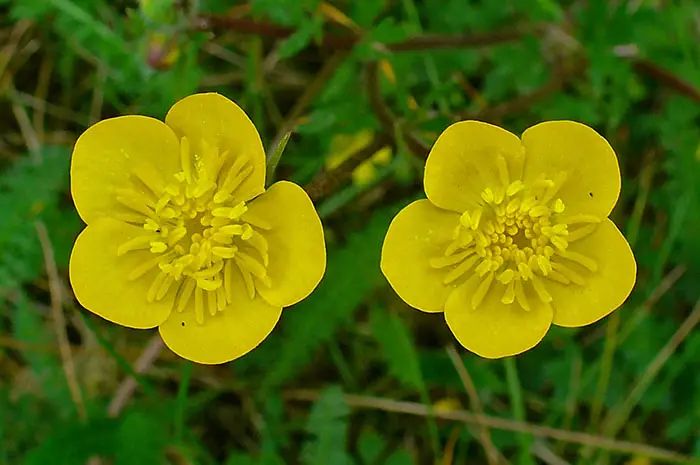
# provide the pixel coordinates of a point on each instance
(181, 400)
(518, 408)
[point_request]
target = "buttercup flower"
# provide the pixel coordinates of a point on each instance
(514, 235)
(181, 233)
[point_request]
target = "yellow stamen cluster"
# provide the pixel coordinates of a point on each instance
(197, 229)
(516, 237)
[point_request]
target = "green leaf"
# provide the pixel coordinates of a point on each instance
(397, 346)
(327, 425)
(74, 443)
(370, 446)
(141, 440)
(301, 37)
(31, 328)
(31, 191)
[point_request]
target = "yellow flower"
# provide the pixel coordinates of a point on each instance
(514, 235)
(181, 233)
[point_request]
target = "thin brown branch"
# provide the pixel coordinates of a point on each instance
(386, 118)
(412, 408)
(347, 41)
(667, 78)
(128, 386)
(492, 454)
(619, 415)
(59, 320)
(328, 181)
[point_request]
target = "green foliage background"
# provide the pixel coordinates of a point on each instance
(351, 375)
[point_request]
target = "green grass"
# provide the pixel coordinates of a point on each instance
(351, 374)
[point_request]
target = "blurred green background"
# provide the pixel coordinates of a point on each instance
(352, 375)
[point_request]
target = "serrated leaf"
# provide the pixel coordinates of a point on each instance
(327, 425)
(396, 344)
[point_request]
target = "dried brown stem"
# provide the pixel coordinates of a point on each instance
(386, 118)
(59, 319)
(347, 41)
(328, 181)
(128, 386)
(492, 454)
(412, 408)
(619, 415)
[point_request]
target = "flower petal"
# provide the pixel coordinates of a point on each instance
(605, 289)
(462, 163)
(228, 335)
(296, 244)
(495, 329)
(420, 232)
(100, 278)
(218, 121)
(106, 154)
(592, 184)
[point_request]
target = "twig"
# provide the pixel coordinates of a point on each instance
(492, 454)
(347, 41)
(59, 319)
(664, 286)
(412, 408)
(386, 118)
(667, 78)
(328, 181)
(29, 135)
(617, 416)
(128, 386)
(546, 455)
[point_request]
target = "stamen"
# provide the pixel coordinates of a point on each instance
(185, 159)
(502, 170)
(463, 267)
(450, 260)
(155, 286)
(481, 291)
(541, 290)
(520, 295)
(581, 218)
(185, 294)
(509, 294)
(568, 273)
(211, 302)
(581, 259)
(137, 243)
(199, 305)
(581, 232)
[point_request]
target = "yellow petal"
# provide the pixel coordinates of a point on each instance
(420, 232)
(603, 290)
(296, 245)
(462, 163)
(106, 154)
(592, 183)
(495, 329)
(218, 121)
(225, 336)
(99, 276)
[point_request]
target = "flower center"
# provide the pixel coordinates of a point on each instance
(198, 229)
(519, 236)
